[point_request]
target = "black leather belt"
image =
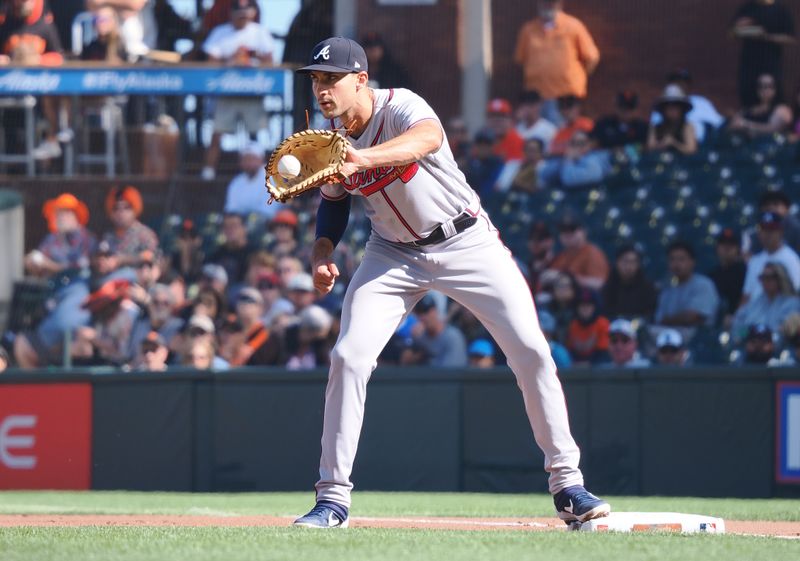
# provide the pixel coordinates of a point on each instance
(461, 223)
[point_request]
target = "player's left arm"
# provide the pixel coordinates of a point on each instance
(421, 139)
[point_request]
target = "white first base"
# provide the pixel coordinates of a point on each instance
(653, 521)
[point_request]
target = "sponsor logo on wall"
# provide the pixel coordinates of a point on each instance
(45, 436)
(787, 439)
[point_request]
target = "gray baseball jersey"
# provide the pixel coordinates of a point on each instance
(473, 267)
(405, 203)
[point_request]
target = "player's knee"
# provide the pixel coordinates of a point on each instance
(532, 356)
(348, 358)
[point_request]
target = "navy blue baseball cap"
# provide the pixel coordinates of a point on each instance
(336, 54)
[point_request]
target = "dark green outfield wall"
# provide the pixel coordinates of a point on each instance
(687, 432)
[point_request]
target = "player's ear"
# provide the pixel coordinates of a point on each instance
(362, 78)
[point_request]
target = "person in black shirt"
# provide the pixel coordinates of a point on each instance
(64, 13)
(627, 292)
(729, 274)
(623, 126)
(763, 26)
(233, 253)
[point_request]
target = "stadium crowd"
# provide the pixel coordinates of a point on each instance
(233, 289)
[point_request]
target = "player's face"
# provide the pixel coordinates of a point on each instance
(335, 92)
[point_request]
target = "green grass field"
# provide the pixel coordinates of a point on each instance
(109, 543)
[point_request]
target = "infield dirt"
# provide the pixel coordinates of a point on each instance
(760, 528)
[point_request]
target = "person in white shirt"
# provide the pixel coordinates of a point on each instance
(530, 123)
(240, 42)
(246, 193)
(770, 234)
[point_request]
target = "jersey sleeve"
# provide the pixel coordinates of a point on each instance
(406, 109)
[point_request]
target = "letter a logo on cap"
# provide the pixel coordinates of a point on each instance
(324, 52)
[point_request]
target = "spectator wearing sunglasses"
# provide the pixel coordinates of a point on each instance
(772, 306)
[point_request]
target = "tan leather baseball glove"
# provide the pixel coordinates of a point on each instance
(321, 154)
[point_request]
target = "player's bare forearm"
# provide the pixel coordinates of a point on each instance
(321, 251)
(417, 142)
(323, 269)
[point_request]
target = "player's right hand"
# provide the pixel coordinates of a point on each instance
(325, 276)
(353, 162)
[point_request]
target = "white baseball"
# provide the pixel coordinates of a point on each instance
(289, 166)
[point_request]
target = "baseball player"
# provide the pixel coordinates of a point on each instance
(428, 232)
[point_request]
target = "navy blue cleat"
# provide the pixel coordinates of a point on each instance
(325, 514)
(576, 504)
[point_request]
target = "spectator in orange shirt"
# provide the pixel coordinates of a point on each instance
(557, 54)
(583, 259)
(570, 107)
(587, 337)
